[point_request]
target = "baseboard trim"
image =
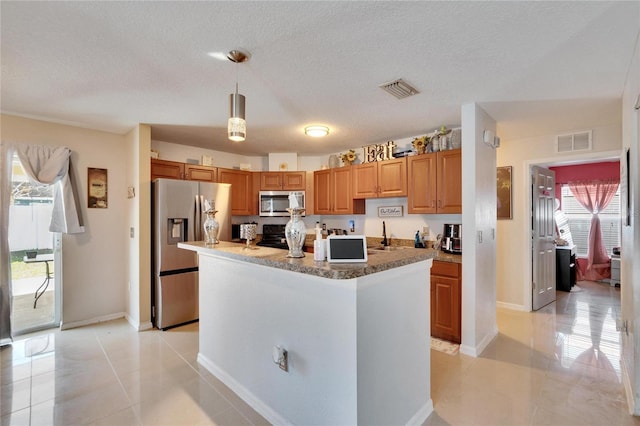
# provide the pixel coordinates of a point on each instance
(476, 351)
(628, 389)
(95, 320)
(254, 402)
(138, 325)
(512, 306)
(422, 415)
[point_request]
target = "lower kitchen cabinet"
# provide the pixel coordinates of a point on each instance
(446, 301)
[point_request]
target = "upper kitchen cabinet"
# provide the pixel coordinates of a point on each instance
(243, 197)
(435, 182)
(380, 179)
(332, 192)
(282, 181)
(177, 170)
(166, 169)
(201, 173)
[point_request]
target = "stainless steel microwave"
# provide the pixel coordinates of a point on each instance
(276, 203)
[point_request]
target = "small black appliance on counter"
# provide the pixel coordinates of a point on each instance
(452, 239)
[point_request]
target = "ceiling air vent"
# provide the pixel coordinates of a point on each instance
(579, 141)
(399, 88)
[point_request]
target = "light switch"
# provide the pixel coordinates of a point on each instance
(480, 237)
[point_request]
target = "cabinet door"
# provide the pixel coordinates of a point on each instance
(445, 308)
(241, 190)
(322, 191)
(446, 300)
(270, 181)
(392, 178)
(294, 181)
(421, 177)
(166, 169)
(341, 189)
(450, 181)
(365, 180)
(200, 173)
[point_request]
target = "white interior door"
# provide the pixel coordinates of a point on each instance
(543, 236)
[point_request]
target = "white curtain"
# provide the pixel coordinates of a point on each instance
(43, 164)
(49, 165)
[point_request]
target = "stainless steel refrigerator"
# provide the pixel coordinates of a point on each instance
(177, 216)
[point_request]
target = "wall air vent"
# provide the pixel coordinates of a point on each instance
(399, 88)
(578, 141)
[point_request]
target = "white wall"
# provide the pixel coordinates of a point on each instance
(479, 201)
(186, 154)
(513, 236)
(630, 267)
(94, 263)
(139, 214)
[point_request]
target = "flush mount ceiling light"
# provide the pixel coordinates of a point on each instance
(316, 131)
(237, 126)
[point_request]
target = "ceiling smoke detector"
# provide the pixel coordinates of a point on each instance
(399, 88)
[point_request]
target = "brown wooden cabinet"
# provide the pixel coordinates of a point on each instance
(446, 301)
(177, 170)
(282, 181)
(166, 169)
(332, 192)
(435, 182)
(243, 198)
(380, 179)
(200, 173)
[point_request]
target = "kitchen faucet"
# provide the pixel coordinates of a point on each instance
(384, 241)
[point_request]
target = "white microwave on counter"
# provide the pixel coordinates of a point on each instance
(276, 203)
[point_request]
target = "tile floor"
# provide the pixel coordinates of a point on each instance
(558, 366)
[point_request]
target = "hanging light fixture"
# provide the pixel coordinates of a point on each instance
(237, 126)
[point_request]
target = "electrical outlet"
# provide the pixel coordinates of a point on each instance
(480, 237)
(131, 232)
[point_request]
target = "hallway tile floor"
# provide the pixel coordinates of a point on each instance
(557, 366)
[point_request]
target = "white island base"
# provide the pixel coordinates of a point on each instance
(358, 348)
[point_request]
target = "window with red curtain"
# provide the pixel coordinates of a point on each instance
(595, 197)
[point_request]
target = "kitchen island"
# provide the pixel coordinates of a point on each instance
(357, 335)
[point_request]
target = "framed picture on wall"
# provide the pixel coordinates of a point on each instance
(504, 192)
(97, 188)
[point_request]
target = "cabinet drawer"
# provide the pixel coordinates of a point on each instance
(445, 269)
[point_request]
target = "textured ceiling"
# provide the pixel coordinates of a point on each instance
(534, 66)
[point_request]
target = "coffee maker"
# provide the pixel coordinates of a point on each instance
(452, 239)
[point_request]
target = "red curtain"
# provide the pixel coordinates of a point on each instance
(595, 196)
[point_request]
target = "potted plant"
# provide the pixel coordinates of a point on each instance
(420, 144)
(348, 157)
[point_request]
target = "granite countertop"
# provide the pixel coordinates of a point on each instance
(378, 261)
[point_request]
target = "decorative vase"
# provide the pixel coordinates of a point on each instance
(248, 232)
(295, 233)
(333, 161)
(211, 228)
(420, 149)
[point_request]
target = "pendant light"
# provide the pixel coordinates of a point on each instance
(237, 126)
